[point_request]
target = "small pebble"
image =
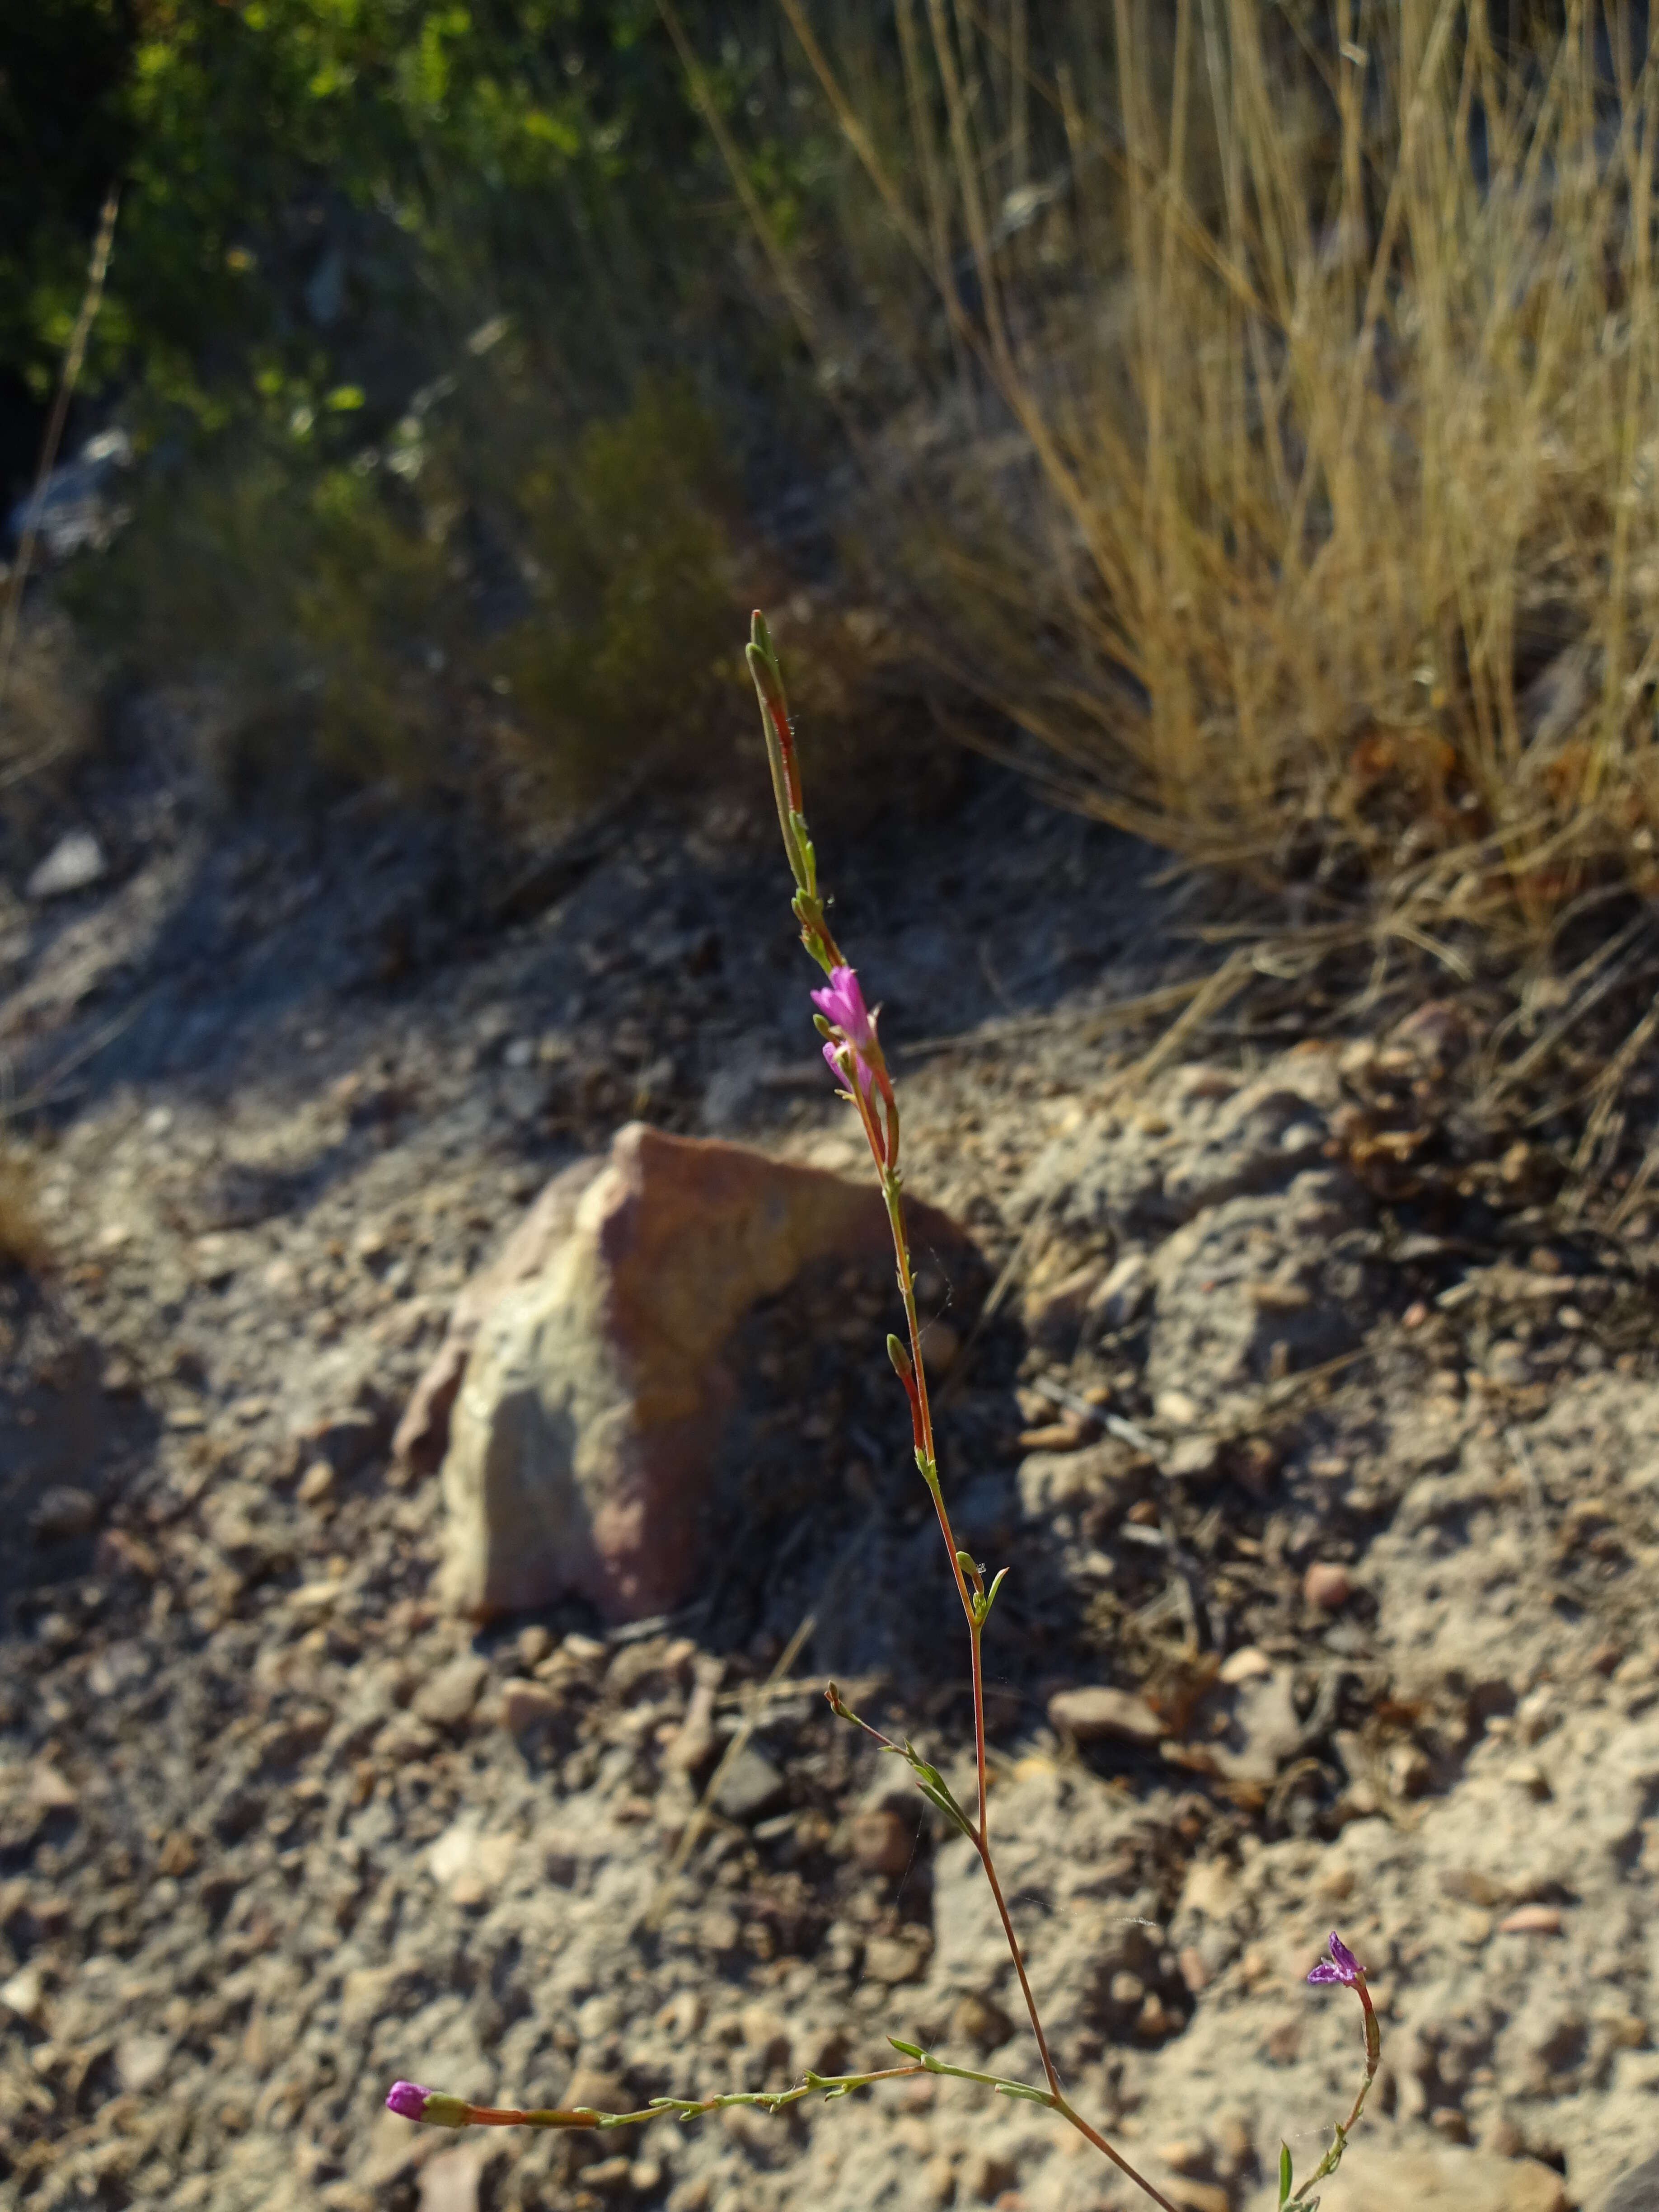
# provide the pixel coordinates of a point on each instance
(1185, 2155)
(985, 2176)
(1327, 1585)
(316, 1483)
(446, 1698)
(527, 1706)
(1532, 1920)
(1096, 1714)
(1194, 1971)
(62, 1513)
(980, 2019)
(883, 1841)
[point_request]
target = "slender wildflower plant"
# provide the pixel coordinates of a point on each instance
(853, 1048)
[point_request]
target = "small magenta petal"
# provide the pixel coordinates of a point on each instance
(841, 1003)
(1347, 1965)
(1341, 1966)
(408, 2099)
(831, 1001)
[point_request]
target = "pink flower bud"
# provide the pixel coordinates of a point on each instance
(1341, 1966)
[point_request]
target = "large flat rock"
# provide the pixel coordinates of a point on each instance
(582, 1439)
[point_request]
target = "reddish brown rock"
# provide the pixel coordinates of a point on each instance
(422, 1435)
(583, 1435)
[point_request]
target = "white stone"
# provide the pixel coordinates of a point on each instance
(74, 862)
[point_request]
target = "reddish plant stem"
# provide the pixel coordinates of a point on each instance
(1094, 2135)
(922, 1418)
(1050, 2073)
(785, 733)
(883, 1144)
(922, 1421)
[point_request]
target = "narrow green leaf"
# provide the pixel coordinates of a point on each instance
(933, 1785)
(1285, 2176)
(909, 2050)
(809, 858)
(949, 1806)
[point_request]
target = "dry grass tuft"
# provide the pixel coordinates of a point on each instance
(1286, 457)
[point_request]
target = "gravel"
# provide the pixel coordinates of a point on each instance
(1367, 1555)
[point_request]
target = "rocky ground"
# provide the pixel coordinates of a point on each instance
(1319, 1434)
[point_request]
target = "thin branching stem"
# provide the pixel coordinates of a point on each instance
(868, 1079)
(853, 1051)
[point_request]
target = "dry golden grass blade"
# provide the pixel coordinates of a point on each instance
(1308, 438)
(1604, 1119)
(1640, 1183)
(1216, 992)
(1606, 971)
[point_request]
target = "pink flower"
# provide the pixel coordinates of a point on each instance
(408, 2099)
(841, 1004)
(1341, 1966)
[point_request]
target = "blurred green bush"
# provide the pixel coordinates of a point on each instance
(422, 315)
(321, 193)
(626, 656)
(329, 620)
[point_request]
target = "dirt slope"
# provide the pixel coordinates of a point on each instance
(273, 1830)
